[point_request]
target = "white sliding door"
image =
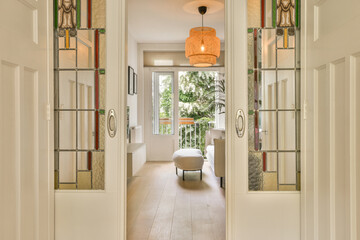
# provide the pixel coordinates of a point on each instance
(26, 123)
(90, 125)
(263, 173)
(331, 121)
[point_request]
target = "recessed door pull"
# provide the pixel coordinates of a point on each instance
(240, 123)
(111, 123)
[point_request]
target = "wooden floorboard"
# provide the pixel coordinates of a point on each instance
(160, 205)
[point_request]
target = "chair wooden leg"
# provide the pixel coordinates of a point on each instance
(176, 171)
(221, 181)
(183, 175)
(200, 174)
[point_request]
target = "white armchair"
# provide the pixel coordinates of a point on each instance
(215, 151)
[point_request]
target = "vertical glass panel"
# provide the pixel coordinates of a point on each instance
(67, 58)
(268, 13)
(268, 48)
(297, 89)
(298, 48)
(254, 13)
(286, 131)
(285, 13)
(255, 171)
(86, 45)
(287, 168)
(250, 49)
(251, 90)
(102, 50)
(102, 130)
(67, 130)
(98, 170)
(86, 89)
(163, 119)
(67, 167)
(67, 90)
(98, 13)
(266, 92)
(84, 14)
(285, 58)
(86, 130)
(286, 89)
(265, 131)
(251, 131)
(102, 91)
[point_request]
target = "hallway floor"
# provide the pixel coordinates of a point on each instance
(163, 206)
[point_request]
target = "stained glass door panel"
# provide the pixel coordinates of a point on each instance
(273, 95)
(80, 87)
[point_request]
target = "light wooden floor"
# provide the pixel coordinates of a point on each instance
(163, 206)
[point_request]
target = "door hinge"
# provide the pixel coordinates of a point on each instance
(48, 112)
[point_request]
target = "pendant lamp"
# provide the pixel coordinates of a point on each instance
(202, 47)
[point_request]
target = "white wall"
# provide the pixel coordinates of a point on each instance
(132, 100)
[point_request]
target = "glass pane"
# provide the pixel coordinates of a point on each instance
(67, 167)
(266, 91)
(67, 90)
(255, 171)
(270, 182)
(286, 58)
(85, 160)
(84, 180)
(98, 170)
(286, 90)
(86, 90)
(102, 50)
(67, 130)
(268, 47)
(268, 12)
(254, 13)
(250, 49)
(287, 168)
(265, 131)
(67, 58)
(86, 46)
(98, 13)
(163, 104)
(86, 130)
(269, 161)
(287, 130)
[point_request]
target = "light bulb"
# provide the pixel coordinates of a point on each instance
(202, 48)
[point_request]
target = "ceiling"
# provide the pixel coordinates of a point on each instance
(165, 21)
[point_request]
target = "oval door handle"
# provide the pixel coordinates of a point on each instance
(111, 123)
(240, 123)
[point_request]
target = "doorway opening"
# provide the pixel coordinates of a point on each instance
(176, 107)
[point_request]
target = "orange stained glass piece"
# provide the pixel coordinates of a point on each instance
(67, 39)
(285, 38)
(202, 47)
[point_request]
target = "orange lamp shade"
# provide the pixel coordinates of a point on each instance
(202, 47)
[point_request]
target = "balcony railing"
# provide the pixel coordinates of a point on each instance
(192, 134)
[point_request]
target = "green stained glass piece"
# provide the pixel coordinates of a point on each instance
(102, 112)
(274, 6)
(250, 30)
(102, 71)
(102, 30)
(56, 14)
(251, 112)
(297, 13)
(250, 71)
(78, 13)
